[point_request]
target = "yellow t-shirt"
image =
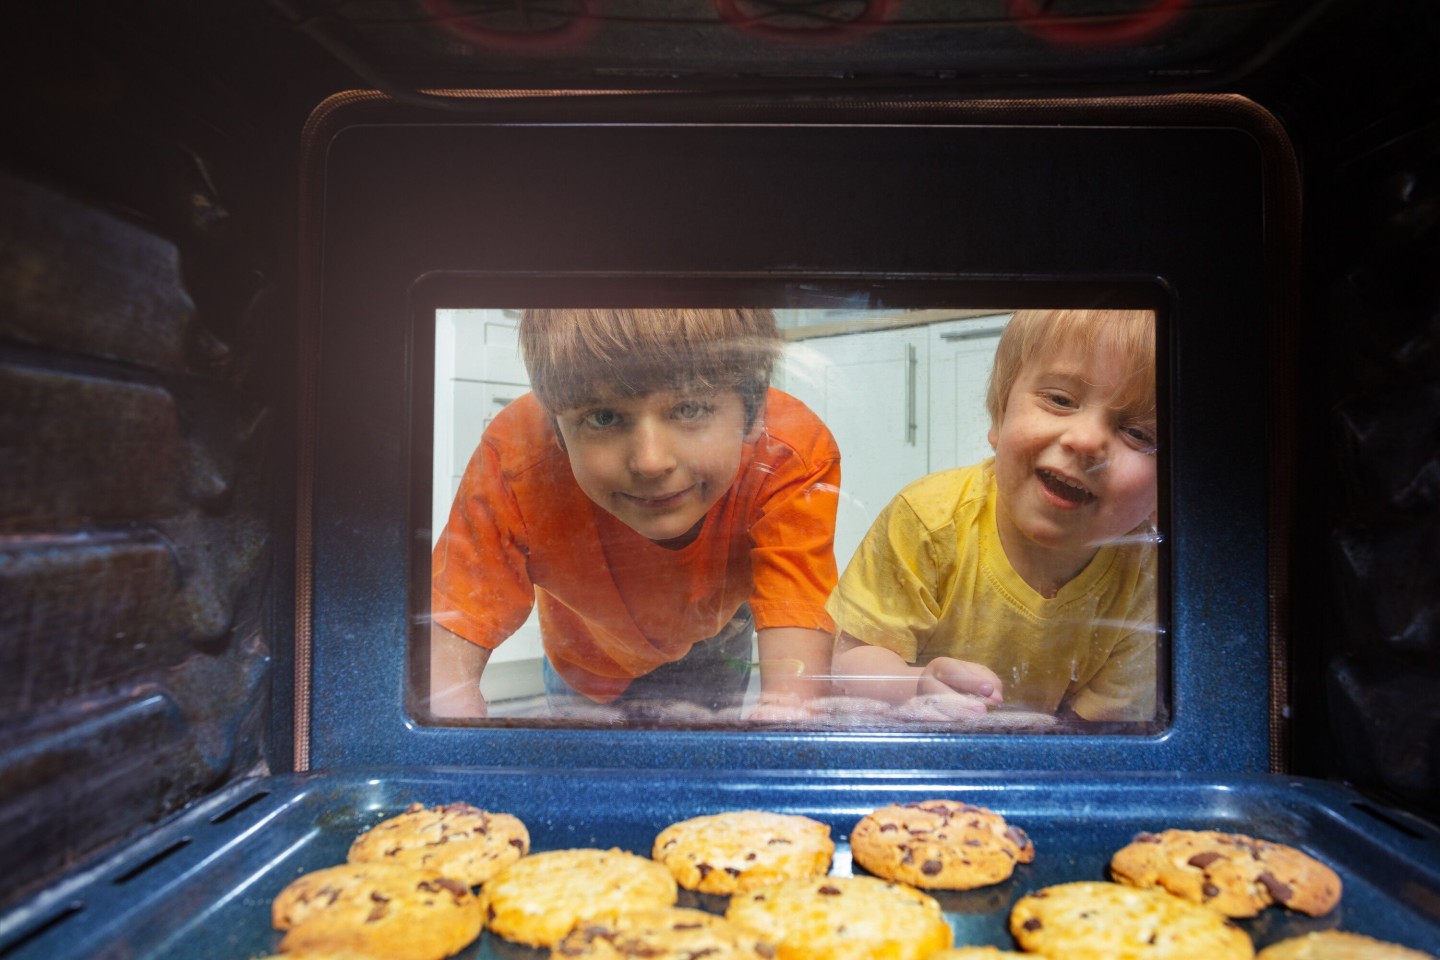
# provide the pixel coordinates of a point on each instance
(931, 580)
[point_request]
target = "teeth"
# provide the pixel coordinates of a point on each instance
(1064, 487)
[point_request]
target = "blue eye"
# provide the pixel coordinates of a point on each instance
(689, 410)
(600, 419)
(1140, 437)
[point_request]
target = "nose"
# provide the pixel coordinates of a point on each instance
(1086, 436)
(651, 454)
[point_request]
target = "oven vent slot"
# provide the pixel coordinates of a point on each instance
(43, 927)
(149, 862)
(240, 807)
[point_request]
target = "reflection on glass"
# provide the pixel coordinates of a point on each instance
(653, 519)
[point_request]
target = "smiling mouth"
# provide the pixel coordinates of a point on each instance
(653, 503)
(1064, 489)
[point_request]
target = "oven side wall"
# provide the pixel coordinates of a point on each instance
(146, 378)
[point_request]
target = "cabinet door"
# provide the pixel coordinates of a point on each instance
(872, 391)
(478, 370)
(961, 353)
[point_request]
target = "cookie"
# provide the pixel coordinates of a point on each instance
(1337, 945)
(939, 845)
(740, 850)
(457, 840)
(983, 953)
(376, 908)
(538, 899)
(1228, 872)
(669, 933)
(1094, 920)
(843, 918)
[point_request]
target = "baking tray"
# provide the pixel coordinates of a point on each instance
(200, 886)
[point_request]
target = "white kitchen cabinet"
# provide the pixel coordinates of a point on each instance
(901, 402)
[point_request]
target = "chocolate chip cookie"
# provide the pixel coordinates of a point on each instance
(725, 853)
(844, 918)
(1228, 872)
(381, 909)
(939, 845)
(670, 933)
(457, 840)
(1110, 921)
(538, 899)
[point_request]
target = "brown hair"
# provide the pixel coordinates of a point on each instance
(1032, 334)
(578, 356)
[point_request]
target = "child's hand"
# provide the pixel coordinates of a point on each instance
(947, 675)
(461, 701)
(779, 708)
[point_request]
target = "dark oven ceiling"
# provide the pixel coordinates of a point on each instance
(988, 47)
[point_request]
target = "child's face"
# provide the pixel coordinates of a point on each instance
(1074, 471)
(659, 462)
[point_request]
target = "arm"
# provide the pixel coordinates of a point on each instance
(794, 663)
(880, 674)
(456, 666)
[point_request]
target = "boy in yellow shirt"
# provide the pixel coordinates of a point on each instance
(1027, 579)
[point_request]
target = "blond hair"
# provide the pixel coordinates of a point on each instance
(578, 356)
(1031, 334)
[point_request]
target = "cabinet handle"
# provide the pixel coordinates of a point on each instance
(954, 335)
(502, 400)
(911, 367)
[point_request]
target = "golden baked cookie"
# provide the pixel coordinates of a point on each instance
(843, 918)
(376, 908)
(1110, 921)
(667, 933)
(1338, 945)
(1229, 872)
(983, 953)
(939, 845)
(538, 899)
(739, 850)
(456, 840)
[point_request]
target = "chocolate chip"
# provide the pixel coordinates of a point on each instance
(1032, 924)
(705, 869)
(732, 871)
(1017, 836)
(931, 867)
(377, 912)
(764, 949)
(1204, 859)
(1210, 891)
(829, 891)
(1278, 889)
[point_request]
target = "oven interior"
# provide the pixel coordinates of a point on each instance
(221, 229)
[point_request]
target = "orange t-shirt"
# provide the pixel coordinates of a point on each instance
(614, 605)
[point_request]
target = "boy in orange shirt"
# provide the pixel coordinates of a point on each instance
(650, 496)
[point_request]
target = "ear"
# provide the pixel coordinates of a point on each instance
(559, 437)
(992, 435)
(758, 426)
